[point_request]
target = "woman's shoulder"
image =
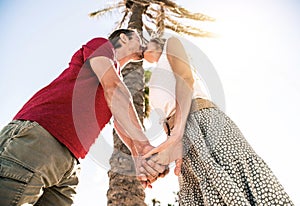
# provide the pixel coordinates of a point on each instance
(173, 44)
(174, 47)
(172, 40)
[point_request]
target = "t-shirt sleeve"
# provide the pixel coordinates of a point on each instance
(98, 47)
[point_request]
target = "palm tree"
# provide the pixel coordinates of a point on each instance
(153, 16)
(156, 16)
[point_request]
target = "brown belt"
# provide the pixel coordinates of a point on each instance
(196, 105)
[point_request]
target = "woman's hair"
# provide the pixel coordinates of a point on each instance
(115, 36)
(159, 41)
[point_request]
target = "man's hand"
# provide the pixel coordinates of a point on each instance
(166, 153)
(149, 181)
(149, 171)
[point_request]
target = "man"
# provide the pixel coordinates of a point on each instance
(40, 148)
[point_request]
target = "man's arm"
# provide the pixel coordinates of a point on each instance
(128, 141)
(120, 102)
(127, 123)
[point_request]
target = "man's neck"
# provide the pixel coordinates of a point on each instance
(128, 58)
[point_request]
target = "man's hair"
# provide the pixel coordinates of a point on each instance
(115, 36)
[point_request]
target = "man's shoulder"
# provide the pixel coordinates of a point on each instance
(97, 41)
(98, 46)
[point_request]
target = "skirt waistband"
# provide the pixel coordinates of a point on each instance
(196, 105)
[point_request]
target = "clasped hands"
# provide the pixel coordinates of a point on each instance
(155, 162)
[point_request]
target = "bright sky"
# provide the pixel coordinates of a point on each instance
(256, 58)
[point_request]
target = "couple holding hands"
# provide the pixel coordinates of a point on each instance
(41, 147)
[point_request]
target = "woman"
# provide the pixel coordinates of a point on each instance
(219, 166)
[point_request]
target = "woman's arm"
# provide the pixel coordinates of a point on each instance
(180, 65)
(171, 149)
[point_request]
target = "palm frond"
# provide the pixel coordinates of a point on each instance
(107, 9)
(124, 18)
(148, 19)
(160, 18)
(179, 27)
(148, 30)
(189, 30)
(166, 3)
(183, 13)
(151, 16)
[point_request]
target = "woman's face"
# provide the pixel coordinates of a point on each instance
(152, 52)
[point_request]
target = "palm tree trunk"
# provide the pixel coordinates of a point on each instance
(136, 21)
(124, 188)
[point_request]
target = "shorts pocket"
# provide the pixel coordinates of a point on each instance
(13, 170)
(14, 177)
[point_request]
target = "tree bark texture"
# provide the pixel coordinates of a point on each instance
(124, 188)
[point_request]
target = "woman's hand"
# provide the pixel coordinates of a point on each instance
(149, 173)
(169, 151)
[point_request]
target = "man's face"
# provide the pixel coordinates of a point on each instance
(134, 46)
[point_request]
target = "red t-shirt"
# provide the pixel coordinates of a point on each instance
(72, 107)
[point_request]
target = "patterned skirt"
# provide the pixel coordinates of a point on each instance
(221, 168)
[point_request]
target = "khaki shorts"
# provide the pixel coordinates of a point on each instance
(35, 169)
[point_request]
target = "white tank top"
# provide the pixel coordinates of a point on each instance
(162, 85)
